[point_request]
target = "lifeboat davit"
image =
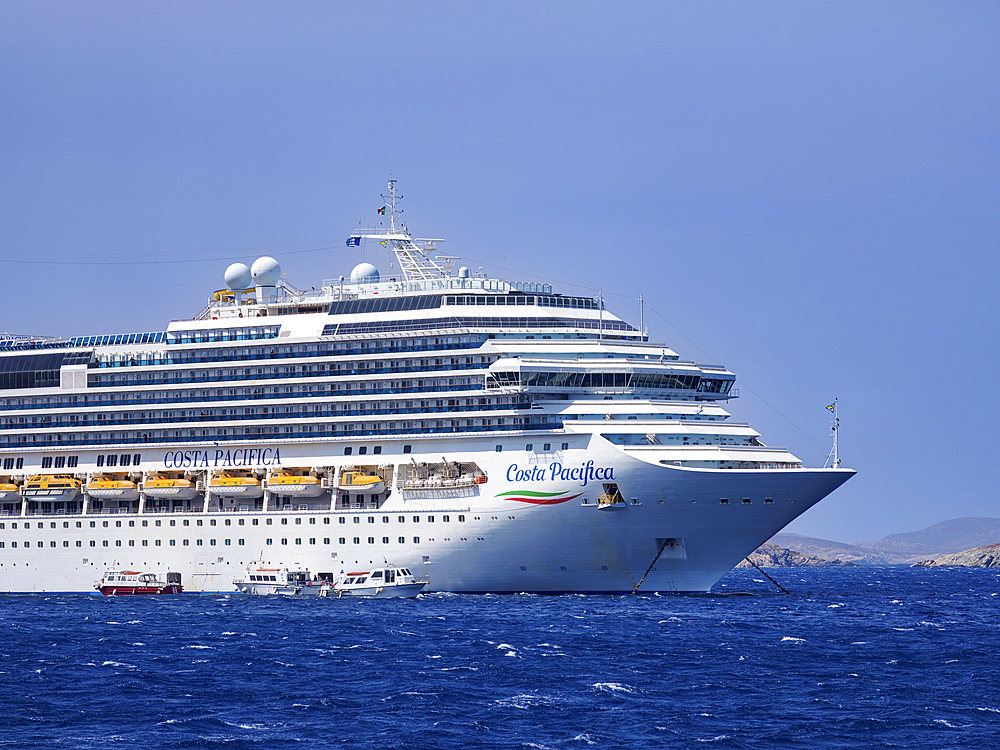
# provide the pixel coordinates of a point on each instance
(57, 487)
(169, 488)
(358, 481)
(112, 488)
(236, 485)
(292, 484)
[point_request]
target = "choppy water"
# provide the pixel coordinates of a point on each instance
(853, 658)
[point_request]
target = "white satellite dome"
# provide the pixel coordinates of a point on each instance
(364, 273)
(238, 277)
(265, 271)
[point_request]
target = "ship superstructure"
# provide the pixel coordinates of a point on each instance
(493, 435)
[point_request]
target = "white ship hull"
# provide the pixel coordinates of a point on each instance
(491, 541)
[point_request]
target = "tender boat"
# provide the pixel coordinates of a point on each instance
(170, 487)
(382, 583)
(110, 487)
(57, 487)
(295, 483)
(358, 481)
(236, 484)
(268, 580)
(136, 583)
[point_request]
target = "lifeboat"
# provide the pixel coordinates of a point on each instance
(294, 484)
(358, 481)
(169, 487)
(58, 487)
(236, 485)
(104, 487)
(9, 492)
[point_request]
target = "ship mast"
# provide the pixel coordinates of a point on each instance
(414, 255)
(833, 459)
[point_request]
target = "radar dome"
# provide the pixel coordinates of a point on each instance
(238, 277)
(265, 271)
(463, 272)
(364, 273)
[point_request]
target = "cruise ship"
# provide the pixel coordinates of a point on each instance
(489, 435)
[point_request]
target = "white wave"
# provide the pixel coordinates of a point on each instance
(434, 656)
(859, 643)
(989, 710)
(198, 646)
(790, 639)
(613, 687)
(229, 632)
(717, 738)
(505, 645)
(140, 643)
(948, 724)
(118, 664)
(584, 738)
(835, 606)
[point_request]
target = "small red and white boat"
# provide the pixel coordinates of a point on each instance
(136, 583)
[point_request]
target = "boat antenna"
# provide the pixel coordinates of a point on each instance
(834, 459)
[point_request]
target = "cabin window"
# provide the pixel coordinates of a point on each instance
(416, 540)
(402, 540)
(377, 450)
(357, 540)
(445, 519)
(347, 450)
(402, 519)
(156, 543)
(499, 448)
(326, 540)
(461, 519)
(284, 541)
(60, 462)
(173, 543)
(185, 542)
(298, 540)
(100, 461)
(416, 519)
(298, 521)
(407, 448)
(385, 540)
(241, 542)
(362, 450)
(341, 540)
(565, 446)
(268, 541)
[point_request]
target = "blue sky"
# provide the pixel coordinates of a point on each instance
(804, 192)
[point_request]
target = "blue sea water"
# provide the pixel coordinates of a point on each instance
(852, 658)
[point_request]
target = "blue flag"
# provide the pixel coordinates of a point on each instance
(354, 242)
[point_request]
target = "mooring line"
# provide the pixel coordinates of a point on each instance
(662, 547)
(765, 575)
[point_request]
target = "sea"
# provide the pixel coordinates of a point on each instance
(847, 658)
